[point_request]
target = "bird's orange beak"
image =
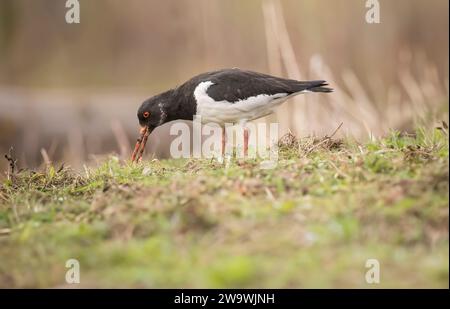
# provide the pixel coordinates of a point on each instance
(140, 144)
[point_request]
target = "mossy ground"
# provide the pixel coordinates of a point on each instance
(312, 221)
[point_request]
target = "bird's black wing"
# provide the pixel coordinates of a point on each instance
(233, 85)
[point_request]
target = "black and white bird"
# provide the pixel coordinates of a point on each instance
(224, 96)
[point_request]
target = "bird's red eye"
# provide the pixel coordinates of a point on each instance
(146, 114)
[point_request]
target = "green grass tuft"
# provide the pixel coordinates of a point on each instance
(313, 221)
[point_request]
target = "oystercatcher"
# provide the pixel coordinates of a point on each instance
(223, 96)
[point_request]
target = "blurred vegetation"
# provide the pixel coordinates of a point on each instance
(313, 221)
(155, 44)
(61, 82)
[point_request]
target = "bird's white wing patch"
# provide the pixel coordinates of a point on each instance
(231, 112)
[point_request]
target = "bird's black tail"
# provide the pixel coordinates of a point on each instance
(295, 86)
(321, 89)
(317, 86)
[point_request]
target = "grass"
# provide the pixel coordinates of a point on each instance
(313, 221)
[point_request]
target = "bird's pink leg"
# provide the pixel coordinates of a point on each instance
(224, 141)
(245, 142)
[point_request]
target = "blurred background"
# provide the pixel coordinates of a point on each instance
(70, 92)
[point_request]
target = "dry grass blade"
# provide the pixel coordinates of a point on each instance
(288, 140)
(443, 127)
(45, 157)
(12, 163)
(121, 138)
(326, 139)
(3, 197)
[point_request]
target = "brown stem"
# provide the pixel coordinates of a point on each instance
(138, 144)
(144, 141)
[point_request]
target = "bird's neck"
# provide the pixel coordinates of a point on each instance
(181, 105)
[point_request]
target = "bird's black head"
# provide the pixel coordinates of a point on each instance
(152, 112)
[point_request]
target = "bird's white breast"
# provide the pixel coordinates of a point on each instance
(232, 112)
